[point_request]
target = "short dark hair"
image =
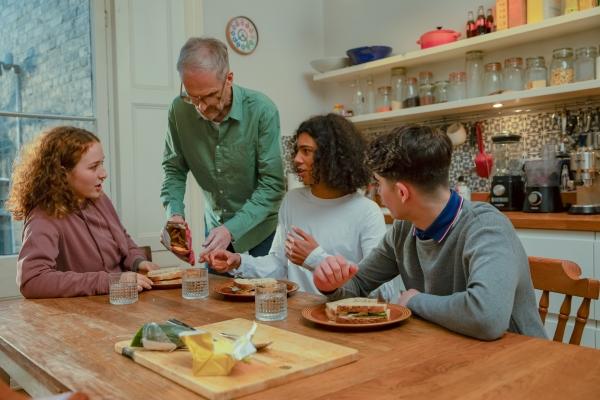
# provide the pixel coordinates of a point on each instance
(340, 156)
(416, 154)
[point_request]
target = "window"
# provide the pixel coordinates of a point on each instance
(46, 79)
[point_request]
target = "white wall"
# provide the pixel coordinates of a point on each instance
(290, 35)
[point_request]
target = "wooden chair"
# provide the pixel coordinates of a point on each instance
(147, 252)
(562, 276)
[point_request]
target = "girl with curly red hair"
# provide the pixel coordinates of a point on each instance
(72, 236)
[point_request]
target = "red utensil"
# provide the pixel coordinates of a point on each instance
(483, 161)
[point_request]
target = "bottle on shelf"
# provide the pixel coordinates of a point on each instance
(370, 96)
(470, 28)
(474, 69)
(480, 23)
(358, 98)
(457, 86)
(383, 99)
(536, 75)
(412, 93)
(489, 22)
(398, 82)
(338, 109)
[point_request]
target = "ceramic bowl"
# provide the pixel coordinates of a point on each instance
(330, 63)
(365, 54)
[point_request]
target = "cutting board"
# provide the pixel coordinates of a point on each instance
(291, 356)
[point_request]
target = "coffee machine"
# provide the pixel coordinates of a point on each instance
(585, 164)
(543, 183)
(508, 188)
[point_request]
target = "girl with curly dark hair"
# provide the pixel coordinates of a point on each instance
(72, 236)
(327, 216)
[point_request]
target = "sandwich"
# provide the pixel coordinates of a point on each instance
(166, 276)
(357, 310)
(249, 285)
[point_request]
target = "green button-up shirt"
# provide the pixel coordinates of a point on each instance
(236, 162)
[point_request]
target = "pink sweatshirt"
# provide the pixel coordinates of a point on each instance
(72, 256)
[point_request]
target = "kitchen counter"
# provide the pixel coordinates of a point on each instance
(550, 221)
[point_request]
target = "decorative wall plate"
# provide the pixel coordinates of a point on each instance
(242, 35)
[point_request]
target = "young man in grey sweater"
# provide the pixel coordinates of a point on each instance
(462, 263)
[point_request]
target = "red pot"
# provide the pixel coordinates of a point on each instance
(437, 37)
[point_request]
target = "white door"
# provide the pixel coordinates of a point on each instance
(147, 37)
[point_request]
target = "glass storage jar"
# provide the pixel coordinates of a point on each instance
(426, 94)
(398, 87)
(412, 93)
(440, 91)
(536, 73)
(585, 63)
(562, 69)
(513, 74)
(474, 69)
(425, 78)
(384, 102)
(457, 86)
(492, 79)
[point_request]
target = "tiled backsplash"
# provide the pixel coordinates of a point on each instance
(535, 129)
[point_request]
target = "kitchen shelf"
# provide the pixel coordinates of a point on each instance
(518, 99)
(550, 28)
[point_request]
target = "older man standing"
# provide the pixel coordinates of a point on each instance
(229, 138)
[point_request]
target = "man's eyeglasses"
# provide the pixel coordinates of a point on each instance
(196, 101)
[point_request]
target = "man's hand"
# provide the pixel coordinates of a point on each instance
(332, 273)
(147, 266)
(218, 238)
(298, 245)
(406, 296)
(143, 282)
(222, 260)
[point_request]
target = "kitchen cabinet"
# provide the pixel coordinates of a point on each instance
(548, 30)
(582, 248)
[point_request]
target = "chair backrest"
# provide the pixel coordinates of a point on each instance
(147, 252)
(562, 276)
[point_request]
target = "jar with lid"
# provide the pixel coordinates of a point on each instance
(398, 87)
(585, 63)
(426, 94)
(425, 78)
(358, 98)
(440, 91)
(492, 79)
(474, 69)
(513, 74)
(384, 103)
(370, 96)
(457, 86)
(338, 109)
(412, 93)
(535, 74)
(562, 69)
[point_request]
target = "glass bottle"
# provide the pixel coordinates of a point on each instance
(535, 74)
(370, 96)
(480, 22)
(470, 28)
(457, 86)
(440, 91)
(474, 70)
(384, 102)
(513, 74)
(492, 79)
(585, 63)
(426, 94)
(425, 77)
(489, 22)
(412, 93)
(562, 68)
(398, 87)
(358, 98)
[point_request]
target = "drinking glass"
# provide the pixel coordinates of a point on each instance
(271, 302)
(122, 288)
(194, 283)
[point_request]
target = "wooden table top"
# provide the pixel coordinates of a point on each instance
(67, 344)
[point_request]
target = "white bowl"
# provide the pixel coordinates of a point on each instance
(330, 63)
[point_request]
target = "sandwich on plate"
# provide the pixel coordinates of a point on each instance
(166, 276)
(357, 310)
(249, 285)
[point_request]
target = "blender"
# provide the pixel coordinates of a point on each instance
(543, 184)
(508, 188)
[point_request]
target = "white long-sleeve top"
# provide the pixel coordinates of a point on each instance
(350, 226)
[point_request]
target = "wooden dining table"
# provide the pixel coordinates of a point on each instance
(57, 345)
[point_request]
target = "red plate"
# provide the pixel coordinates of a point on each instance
(317, 315)
(226, 290)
